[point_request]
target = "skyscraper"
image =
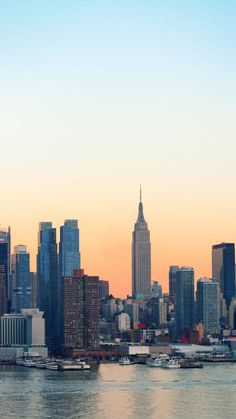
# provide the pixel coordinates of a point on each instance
(5, 262)
(184, 304)
(141, 256)
(223, 269)
(208, 308)
(21, 289)
(69, 254)
(80, 307)
(47, 277)
(172, 282)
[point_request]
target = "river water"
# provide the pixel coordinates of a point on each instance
(114, 391)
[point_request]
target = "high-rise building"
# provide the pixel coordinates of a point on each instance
(232, 314)
(184, 304)
(21, 289)
(47, 277)
(34, 289)
(156, 290)
(69, 253)
(208, 309)
(131, 307)
(103, 289)
(3, 300)
(80, 305)
(141, 256)
(172, 282)
(5, 262)
(223, 269)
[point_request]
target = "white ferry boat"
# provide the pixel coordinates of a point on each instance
(124, 361)
(29, 363)
(172, 363)
(51, 366)
(156, 361)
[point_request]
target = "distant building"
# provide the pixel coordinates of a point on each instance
(232, 314)
(103, 289)
(156, 290)
(132, 309)
(172, 282)
(208, 310)
(3, 299)
(5, 262)
(184, 305)
(69, 252)
(26, 328)
(34, 288)
(47, 278)
(141, 256)
(21, 289)
(109, 310)
(223, 269)
(80, 303)
(123, 322)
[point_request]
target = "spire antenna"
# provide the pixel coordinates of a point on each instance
(140, 192)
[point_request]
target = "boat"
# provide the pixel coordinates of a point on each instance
(190, 364)
(156, 361)
(51, 366)
(124, 361)
(172, 363)
(70, 366)
(85, 367)
(29, 363)
(41, 365)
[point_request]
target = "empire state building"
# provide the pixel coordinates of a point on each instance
(141, 256)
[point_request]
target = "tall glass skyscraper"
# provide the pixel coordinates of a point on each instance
(184, 300)
(223, 269)
(47, 276)
(5, 263)
(69, 253)
(141, 256)
(208, 305)
(21, 290)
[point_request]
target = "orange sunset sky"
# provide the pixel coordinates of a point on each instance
(98, 98)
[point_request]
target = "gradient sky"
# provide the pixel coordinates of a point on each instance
(98, 96)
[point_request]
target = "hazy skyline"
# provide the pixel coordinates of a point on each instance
(98, 96)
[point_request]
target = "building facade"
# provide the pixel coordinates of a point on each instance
(47, 279)
(20, 271)
(184, 304)
(141, 256)
(223, 269)
(5, 263)
(208, 305)
(69, 252)
(80, 305)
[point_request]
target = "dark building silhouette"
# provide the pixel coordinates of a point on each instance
(172, 282)
(5, 262)
(184, 304)
(80, 305)
(47, 278)
(223, 269)
(103, 289)
(3, 300)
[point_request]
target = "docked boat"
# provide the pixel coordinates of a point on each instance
(51, 366)
(74, 366)
(29, 363)
(172, 363)
(41, 365)
(124, 361)
(156, 361)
